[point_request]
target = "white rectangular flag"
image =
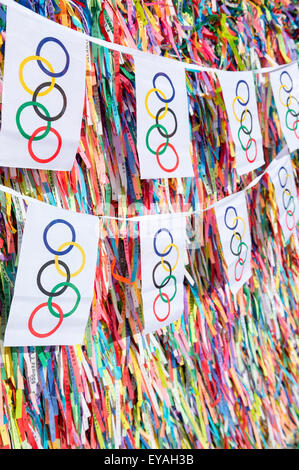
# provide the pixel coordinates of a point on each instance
(163, 252)
(55, 278)
(43, 92)
(282, 177)
(285, 88)
(163, 137)
(233, 227)
(239, 95)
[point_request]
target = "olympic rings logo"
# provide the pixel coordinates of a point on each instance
(161, 149)
(61, 287)
(245, 127)
(169, 269)
(288, 201)
(288, 100)
(42, 90)
(237, 247)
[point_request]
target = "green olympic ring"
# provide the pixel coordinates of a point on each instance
(61, 284)
(175, 289)
(239, 256)
(242, 128)
(291, 199)
(39, 105)
(154, 126)
(290, 128)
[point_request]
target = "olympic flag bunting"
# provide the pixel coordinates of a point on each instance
(163, 252)
(43, 93)
(55, 278)
(240, 101)
(282, 177)
(285, 87)
(233, 227)
(163, 139)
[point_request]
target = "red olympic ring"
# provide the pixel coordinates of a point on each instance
(290, 213)
(158, 159)
(154, 307)
(247, 147)
(238, 262)
(46, 160)
(294, 128)
(30, 321)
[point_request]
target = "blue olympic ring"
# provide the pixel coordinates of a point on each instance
(248, 92)
(162, 74)
(59, 221)
(235, 211)
(282, 168)
(38, 50)
(171, 238)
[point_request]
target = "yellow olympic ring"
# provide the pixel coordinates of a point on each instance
(146, 106)
(282, 86)
(239, 98)
(22, 65)
(233, 223)
(177, 260)
(287, 176)
(83, 258)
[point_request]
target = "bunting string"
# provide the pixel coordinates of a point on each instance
(254, 182)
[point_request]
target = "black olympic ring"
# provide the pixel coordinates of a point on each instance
(244, 128)
(39, 274)
(231, 243)
(36, 109)
(290, 198)
(292, 112)
(166, 136)
(167, 281)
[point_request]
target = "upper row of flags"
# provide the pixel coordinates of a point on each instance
(44, 91)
